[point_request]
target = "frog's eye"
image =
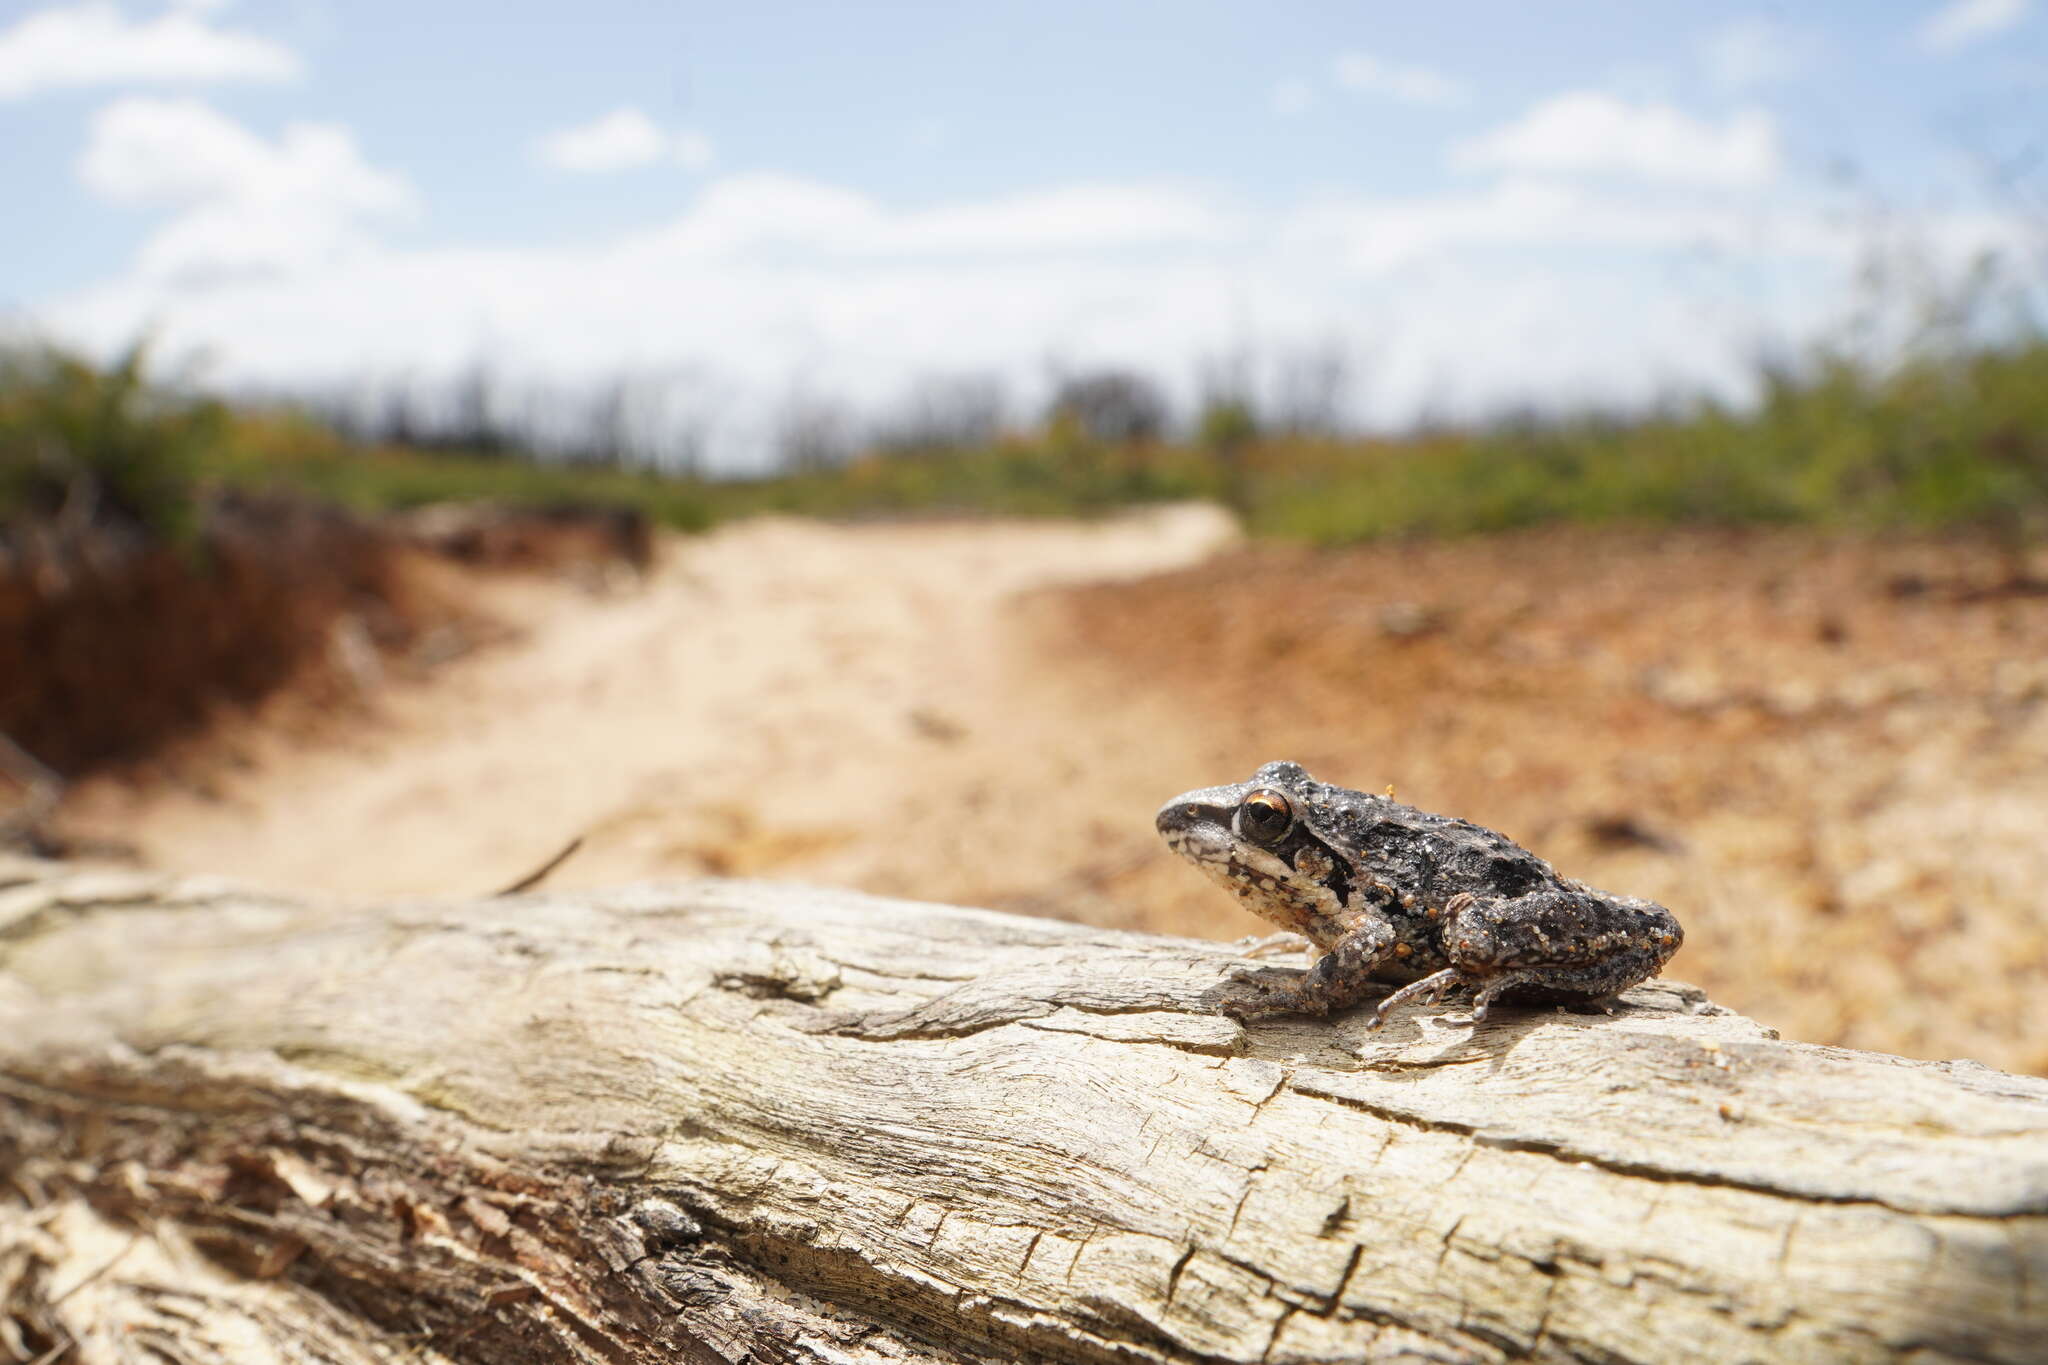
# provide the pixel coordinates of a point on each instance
(1265, 816)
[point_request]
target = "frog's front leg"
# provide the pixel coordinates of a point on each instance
(1339, 978)
(1552, 945)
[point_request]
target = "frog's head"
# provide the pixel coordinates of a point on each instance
(1272, 842)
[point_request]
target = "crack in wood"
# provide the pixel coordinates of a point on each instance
(1280, 1322)
(891, 1028)
(1173, 1275)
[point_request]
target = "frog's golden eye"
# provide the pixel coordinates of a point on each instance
(1265, 815)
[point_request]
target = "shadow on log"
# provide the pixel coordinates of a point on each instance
(726, 1121)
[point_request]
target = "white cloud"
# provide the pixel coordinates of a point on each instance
(622, 140)
(1523, 290)
(1754, 51)
(1381, 237)
(1070, 218)
(765, 276)
(1589, 132)
(759, 213)
(618, 141)
(1962, 22)
(1408, 84)
(93, 43)
(239, 203)
(1291, 98)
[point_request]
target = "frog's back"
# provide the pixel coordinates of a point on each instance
(1435, 855)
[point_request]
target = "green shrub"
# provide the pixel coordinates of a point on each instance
(94, 444)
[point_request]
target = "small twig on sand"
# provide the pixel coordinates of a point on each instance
(539, 874)
(42, 787)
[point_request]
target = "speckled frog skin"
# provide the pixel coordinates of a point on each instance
(1395, 894)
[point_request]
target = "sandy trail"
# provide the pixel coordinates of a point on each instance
(1824, 754)
(779, 698)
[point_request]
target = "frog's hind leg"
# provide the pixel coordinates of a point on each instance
(1565, 945)
(1428, 990)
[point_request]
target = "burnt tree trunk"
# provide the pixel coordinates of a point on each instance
(726, 1121)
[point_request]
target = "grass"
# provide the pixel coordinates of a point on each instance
(1950, 441)
(1940, 443)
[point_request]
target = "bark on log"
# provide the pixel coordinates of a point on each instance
(727, 1121)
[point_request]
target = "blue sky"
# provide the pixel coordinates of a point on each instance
(1478, 204)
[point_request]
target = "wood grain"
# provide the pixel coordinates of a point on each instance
(729, 1121)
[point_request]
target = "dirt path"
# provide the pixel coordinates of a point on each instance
(1829, 756)
(780, 698)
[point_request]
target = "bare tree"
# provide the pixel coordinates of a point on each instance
(1227, 422)
(812, 433)
(685, 411)
(606, 436)
(399, 421)
(1116, 407)
(474, 421)
(1312, 388)
(941, 413)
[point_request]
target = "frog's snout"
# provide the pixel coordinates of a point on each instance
(1173, 817)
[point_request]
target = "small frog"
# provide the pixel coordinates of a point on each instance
(1395, 894)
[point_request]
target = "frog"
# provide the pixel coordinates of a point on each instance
(1396, 896)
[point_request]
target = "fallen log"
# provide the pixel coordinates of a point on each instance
(727, 1121)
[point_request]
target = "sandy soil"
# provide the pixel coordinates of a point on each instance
(1831, 758)
(850, 704)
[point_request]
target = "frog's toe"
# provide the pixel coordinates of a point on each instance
(1428, 990)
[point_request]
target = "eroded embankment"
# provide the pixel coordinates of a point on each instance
(114, 642)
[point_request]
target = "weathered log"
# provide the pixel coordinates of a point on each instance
(729, 1121)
